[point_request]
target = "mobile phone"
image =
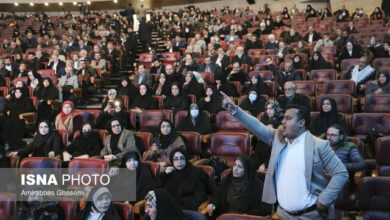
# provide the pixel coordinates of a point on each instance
(156, 140)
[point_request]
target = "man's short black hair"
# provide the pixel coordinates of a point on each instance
(340, 128)
(303, 113)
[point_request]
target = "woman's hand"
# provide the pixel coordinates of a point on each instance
(169, 170)
(13, 154)
(210, 209)
(154, 148)
(51, 154)
(207, 99)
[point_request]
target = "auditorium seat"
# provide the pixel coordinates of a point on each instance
(124, 210)
(208, 77)
(102, 134)
(93, 112)
(171, 58)
(226, 122)
(125, 100)
(340, 87)
(152, 118)
(35, 162)
(46, 72)
(147, 138)
(328, 49)
(7, 205)
(242, 217)
(271, 88)
(275, 59)
(237, 86)
(146, 59)
(320, 76)
(160, 100)
(64, 137)
(343, 101)
(180, 115)
(229, 145)
(14, 162)
(378, 104)
(374, 197)
(192, 98)
(346, 64)
(363, 123)
(304, 57)
(382, 155)
(7, 82)
(381, 63)
(256, 52)
(154, 167)
(70, 209)
(306, 87)
(193, 138)
(265, 75)
(80, 167)
(4, 91)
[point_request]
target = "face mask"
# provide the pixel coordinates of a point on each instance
(252, 97)
(194, 112)
(87, 133)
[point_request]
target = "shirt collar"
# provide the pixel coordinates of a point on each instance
(298, 139)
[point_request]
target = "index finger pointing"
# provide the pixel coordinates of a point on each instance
(224, 95)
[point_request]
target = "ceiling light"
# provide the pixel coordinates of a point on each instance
(74, 3)
(88, 2)
(31, 4)
(60, 3)
(16, 4)
(46, 4)
(115, 1)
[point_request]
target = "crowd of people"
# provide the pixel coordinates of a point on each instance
(84, 50)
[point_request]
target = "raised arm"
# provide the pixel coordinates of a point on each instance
(251, 123)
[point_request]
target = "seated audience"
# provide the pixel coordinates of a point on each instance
(290, 97)
(237, 74)
(46, 143)
(67, 84)
(161, 205)
(65, 120)
(328, 115)
(99, 205)
(381, 85)
(196, 120)
(318, 62)
(176, 100)
(87, 144)
(89, 78)
(212, 103)
(350, 51)
(223, 85)
(285, 75)
(162, 87)
(47, 91)
(144, 101)
(128, 89)
(208, 66)
(189, 185)
(254, 103)
(189, 64)
(240, 57)
(112, 107)
(142, 77)
(240, 191)
(157, 67)
(324, 42)
(360, 74)
(191, 86)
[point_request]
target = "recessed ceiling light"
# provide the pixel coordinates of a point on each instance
(74, 3)
(88, 2)
(46, 4)
(31, 4)
(60, 3)
(16, 4)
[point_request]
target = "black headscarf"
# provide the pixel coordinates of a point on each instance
(298, 65)
(114, 137)
(193, 88)
(387, 83)
(40, 140)
(225, 87)
(130, 90)
(260, 87)
(86, 143)
(21, 105)
(215, 104)
(47, 93)
(167, 140)
(202, 122)
(166, 88)
(254, 107)
(320, 63)
(145, 101)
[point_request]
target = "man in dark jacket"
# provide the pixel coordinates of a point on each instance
(253, 43)
(292, 98)
(157, 67)
(144, 32)
(285, 75)
(241, 57)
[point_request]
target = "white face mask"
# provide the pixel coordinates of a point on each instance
(252, 97)
(194, 112)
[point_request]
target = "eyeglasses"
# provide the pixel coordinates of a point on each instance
(179, 158)
(116, 125)
(332, 135)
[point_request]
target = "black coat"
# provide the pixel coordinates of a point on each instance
(91, 145)
(202, 124)
(42, 145)
(254, 108)
(180, 102)
(298, 99)
(281, 78)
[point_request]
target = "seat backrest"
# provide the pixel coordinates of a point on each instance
(382, 155)
(180, 115)
(374, 194)
(47, 72)
(242, 217)
(64, 137)
(7, 205)
(348, 63)
(229, 145)
(363, 123)
(343, 102)
(377, 103)
(153, 167)
(152, 118)
(94, 112)
(256, 52)
(271, 88)
(4, 90)
(323, 75)
(328, 49)
(35, 162)
(305, 87)
(275, 59)
(70, 209)
(380, 63)
(160, 101)
(171, 58)
(208, 77)
(124, 210)
(340, 87)
(146, 59)
(226, 122)
(102, 134)
(265, 75)
(147, 138)
(193, 138)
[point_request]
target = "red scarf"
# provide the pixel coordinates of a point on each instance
(63, 115)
